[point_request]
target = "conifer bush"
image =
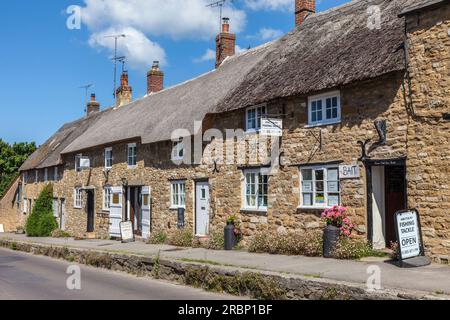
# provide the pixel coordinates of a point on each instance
(41, 222)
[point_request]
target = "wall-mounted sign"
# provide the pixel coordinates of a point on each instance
(126, 231)
(409, 238)
(272, 127)
(85, 163)
(349, 171)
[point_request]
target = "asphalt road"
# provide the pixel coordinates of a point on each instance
(27, 277)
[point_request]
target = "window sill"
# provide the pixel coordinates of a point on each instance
(132, 167)
(323, 124)
(78, 208)
(256, 211)
(313, 208)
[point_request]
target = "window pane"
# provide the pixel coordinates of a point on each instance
(333, 174)
(307, 199)
(333, 200)
(318, 175)
(319, 198)
(307, 174)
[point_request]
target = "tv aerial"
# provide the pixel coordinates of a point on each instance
(219, 4)
(116, 38)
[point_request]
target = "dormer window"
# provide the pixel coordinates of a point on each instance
(178, 150)
(253, 117)
(324, 109)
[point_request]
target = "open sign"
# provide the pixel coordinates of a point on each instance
(408, 233)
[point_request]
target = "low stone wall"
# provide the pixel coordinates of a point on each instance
(237, 281)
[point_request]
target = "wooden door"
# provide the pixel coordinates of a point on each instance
(90, 211)
(395, 198)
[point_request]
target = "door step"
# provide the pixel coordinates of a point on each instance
(91, 235)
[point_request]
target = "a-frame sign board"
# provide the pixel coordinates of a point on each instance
(409, 239)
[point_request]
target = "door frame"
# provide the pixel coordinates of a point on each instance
(369, 163)
(196, 183)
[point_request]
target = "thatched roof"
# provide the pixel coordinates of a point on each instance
(422, 4)
(329, 50)
(48, 154)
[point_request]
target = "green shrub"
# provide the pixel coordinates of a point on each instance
(355, 249)
(292, 243)
(41, 222)
(158, 237)
(58, 233)
(182, 238)
(216, 240)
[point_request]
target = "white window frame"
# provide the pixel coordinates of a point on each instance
(132, 146)
(109, 157)
(177, 147)
(258, 114)
(107, 196)
(36, 176)
(78, 198)
(257, 207)
(181, 194)
(323, 98)
(55, 174)
(77, 162)
(313, 191)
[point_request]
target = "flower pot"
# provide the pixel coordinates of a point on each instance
(330, 239)
(229, 236)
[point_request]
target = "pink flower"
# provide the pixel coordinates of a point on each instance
(346, 220)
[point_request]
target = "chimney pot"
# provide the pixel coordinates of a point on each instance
(303, 8)
(92, 106)
(225, 43)
(124, 92)
(155, 79)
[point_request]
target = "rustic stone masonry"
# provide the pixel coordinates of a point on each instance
(428, 133)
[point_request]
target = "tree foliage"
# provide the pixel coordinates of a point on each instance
(11, 158)
(41, 221)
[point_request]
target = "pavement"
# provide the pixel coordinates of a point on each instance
(27, 277)
(434, 279)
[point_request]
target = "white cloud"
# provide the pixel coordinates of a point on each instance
(174, 18)
(142, 20)
(240, 50)
(138, 49)
(269, 34)
(209, 55)
(270, 4)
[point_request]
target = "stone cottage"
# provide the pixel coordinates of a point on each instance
(360, 93)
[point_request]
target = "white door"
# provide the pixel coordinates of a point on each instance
(115, 212)
(63, 212)
(146, 212)
(202, 208)
(378, 208)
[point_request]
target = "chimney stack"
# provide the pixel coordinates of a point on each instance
(155, 79)
(225, 43)
(124, 92)
(303, 8)
(92, 106)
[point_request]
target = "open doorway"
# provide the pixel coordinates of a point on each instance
(134, 208)
(387, 186)
(90, 210)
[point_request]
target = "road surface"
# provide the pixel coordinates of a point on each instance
(27, 277)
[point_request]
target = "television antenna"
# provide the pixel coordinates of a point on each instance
(219, 4)
(122, 60)
(86, 88)
(116, 38)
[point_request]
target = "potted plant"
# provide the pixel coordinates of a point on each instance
(338, 224)
(232, 232)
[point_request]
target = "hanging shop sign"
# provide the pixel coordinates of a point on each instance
(126, 231)
(349, 171)
(409, 239)
(272, 127)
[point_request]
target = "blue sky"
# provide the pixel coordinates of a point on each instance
(44, 63)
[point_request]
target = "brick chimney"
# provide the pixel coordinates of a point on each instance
(225, 43)
(124, 92)
(92, 106)
(155, 79)
(303, 8)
